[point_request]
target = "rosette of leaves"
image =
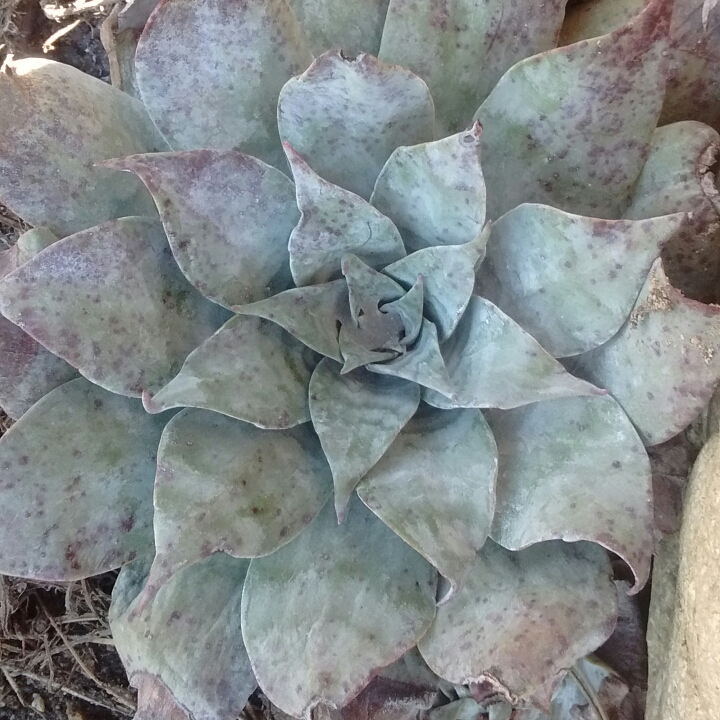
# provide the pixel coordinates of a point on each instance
(349, 440)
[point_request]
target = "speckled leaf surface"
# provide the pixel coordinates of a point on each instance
(80, 504)
(571, 127)
(434, 192)
(228, 218)
(347, 116)
(570, 281)
(556, 598)
(210, 71)
(55, 124)
(574, 469)
(447, 43)
(321, 615)
(308, 313)
(111, 301)
(663, 364)
(189, 636)
(155, 701)
(224, 485)
(333, 222)
(585, 20)
(435, 487)
(376, 407)
(354, 27)
(678, 176)
(250, 369)
(448, 274)
(494, 363)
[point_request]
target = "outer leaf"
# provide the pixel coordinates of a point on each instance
(335, 222)
(347, 116)
(493, 362)
(189, 636)
(448, 278)
(250, 369)
(447, 43)
(435, 192)
(435, 487)
(574, 469)
(155, 701)
(357, 416)
(55, 124)
(664, 364)
(210, 71)
(223, 485)
(75, 504)
(227, 216)
(678, 175)
(111, 301)
(585, 20)
(568, 280)
(321, 615)
(554, 597)
(355, 27)
(572, 127)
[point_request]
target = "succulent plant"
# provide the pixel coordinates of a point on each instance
(350, 361)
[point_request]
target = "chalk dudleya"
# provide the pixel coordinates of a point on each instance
(349, 357)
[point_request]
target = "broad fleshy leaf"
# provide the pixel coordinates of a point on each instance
(111, 301)
(448, 274)
(347, 116)
(664, 363)
(210, 71)
(367, 288)
(76, 485)
(494, 363)
(572, 127)
(55, 124)
(570, 281)
(435, 487)
(435, 192)
(155, 701)
(250, 369)
(311, 314)
(410, 309)
(189, 636)
(354, 27)
(356, 355)
(574, 469)
(321, 615)
(678, 176)
(461, 49)
(227, 216)
(523, 617)
(585, 20)
(224, 485)
(375, 407)
(335, 222)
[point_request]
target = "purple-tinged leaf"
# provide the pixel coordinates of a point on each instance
(55, 124)
(448, 273)
(494, 363)
(111, 301)
(223, 485)
(523, 617)
(188, 637)
(250, 369)
(228, 218)
(572, 127)
(210, 71)
(333, 223)
(155, 701)
(321, 615)
(574, 469)
(664, 363)
(376, 408)
(435, 487)
(678, 176)
(76, 484)
(570, 281)
(435, 192)
(347, 116)
(461, 49)
(593, 18)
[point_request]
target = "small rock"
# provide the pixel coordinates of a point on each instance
(37, 703)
